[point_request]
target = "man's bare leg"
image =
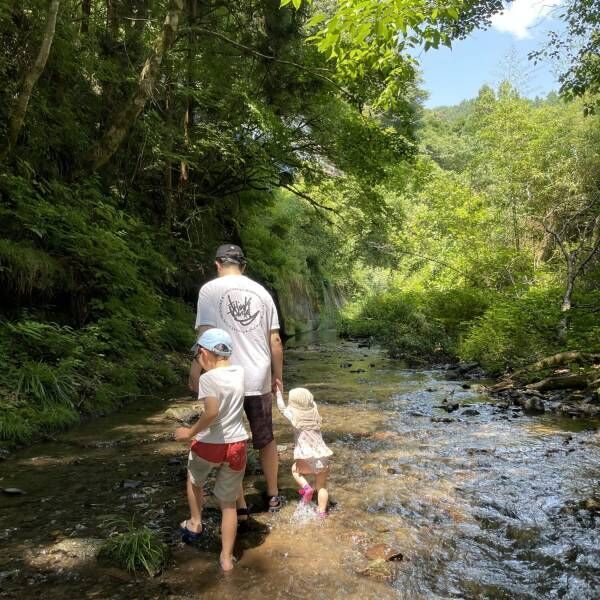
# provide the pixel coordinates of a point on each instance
(195, 370)
(269, 461)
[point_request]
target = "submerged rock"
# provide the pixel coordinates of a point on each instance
(384, 552)
(130, 484)
(13, 492)
(379, 569)
(442, 420)
(470, 412)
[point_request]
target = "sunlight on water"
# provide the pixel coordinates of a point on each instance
(475, 503)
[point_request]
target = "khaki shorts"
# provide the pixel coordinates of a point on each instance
(227, 483)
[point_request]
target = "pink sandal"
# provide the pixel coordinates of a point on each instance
(307, 493)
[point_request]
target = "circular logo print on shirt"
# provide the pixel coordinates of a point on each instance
(241, 310)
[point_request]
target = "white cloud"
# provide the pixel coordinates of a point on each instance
(520, 15)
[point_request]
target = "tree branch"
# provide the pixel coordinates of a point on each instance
(255, 52)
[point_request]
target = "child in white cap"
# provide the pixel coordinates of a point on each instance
(311, 455)
(219, 440)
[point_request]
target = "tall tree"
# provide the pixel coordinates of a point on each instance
(30, 78)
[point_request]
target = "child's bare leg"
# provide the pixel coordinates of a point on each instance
(228, 531)
(300, 480)
(322, 494)
(195, 496)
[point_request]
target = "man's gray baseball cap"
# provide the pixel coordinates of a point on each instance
(230, 253)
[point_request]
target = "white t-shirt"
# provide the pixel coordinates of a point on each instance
(247, 312)
(226, 384)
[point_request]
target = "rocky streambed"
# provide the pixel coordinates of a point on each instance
(439, 490)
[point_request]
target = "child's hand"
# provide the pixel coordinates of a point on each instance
(183, 434)
(277, 385)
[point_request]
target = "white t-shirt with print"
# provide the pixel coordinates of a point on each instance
(247, 312)
(226, 384)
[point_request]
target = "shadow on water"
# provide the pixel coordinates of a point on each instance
(478, 502)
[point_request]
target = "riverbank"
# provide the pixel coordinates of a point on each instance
(481, 502)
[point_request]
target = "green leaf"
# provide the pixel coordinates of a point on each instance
(315, 19)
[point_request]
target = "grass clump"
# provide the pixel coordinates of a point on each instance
(137, 549)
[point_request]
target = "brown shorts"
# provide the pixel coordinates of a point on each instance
(258, 409)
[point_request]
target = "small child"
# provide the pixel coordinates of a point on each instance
(220, 440)
(311, 455)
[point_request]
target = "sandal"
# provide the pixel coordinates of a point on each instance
(274, 503)
(188, 536)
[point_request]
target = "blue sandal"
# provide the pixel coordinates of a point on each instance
(188, 536)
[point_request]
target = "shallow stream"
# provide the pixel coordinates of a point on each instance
(477, 503)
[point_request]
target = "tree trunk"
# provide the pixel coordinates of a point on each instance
(20, 107)
(563, 382)
(112, 19)
(86, 8)
(120, 123)
(188, 117)
(563, 326)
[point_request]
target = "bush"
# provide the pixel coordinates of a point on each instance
(417, 326)
(136, 549)
(515, 332)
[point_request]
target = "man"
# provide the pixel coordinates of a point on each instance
(245, 310)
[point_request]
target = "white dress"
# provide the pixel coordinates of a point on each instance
(308, 443)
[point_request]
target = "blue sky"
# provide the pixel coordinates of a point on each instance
(452, 75)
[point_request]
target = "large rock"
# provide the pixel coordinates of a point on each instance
(183, 414)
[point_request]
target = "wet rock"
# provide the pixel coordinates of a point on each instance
(470, 412)
(183, 414)
(416, 413)
(345, 365)
(174, 461)
(464, 368)
(430, 389)
(4, 453)
(384, 552)
(13, 491)
(533, 404)
(130, 484)
(68, 553)
(448, 406)
(378, 569)
(357, 371)
(442, 420)
(466, 386)
(391, 471)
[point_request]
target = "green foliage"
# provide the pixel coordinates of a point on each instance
(137, 549)
(415, 325)
(478, 267)
(515, 332)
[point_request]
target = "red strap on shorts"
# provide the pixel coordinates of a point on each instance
(214, 453)
(234, 454)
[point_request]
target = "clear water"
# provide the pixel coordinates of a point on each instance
(490, 505)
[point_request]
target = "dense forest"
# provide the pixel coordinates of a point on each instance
(137, 135)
